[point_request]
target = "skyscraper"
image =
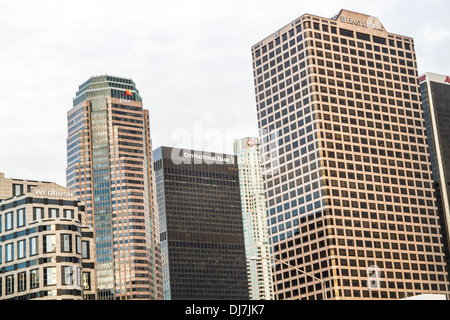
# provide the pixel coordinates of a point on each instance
(202, 238)
(348, 179)
(109, 166)
(435, 90)
(46, 250)
(253, 203)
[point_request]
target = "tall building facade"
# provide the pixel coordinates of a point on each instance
(46, 251)
(347, 172)
(109, 166)
(253, 203)
(202, 238)
(435, 91)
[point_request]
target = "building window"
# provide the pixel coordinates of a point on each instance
(50, 276)
(37, 214)
(17, 190)
(67, 275)
(9, 254)
(53, 213)
(49, 243)
(21, 249)
(78, 276)
(85, 250)
(34, 279)
(66, 243)
(22, 281)
(9, 221)
(68, 214)
(20, 218)
(33, 246)
(78, 244)
(10, 284)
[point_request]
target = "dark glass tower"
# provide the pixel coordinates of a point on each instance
(435, 90)
(109, 166)
(202, 237)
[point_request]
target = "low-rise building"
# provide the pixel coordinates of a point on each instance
(46, 250)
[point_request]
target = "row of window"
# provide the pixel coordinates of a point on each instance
(19, 188)
(412, 80)
(38, 214)
(18, 250)
(323, 25)
(296, 35)
(310, 292)
(70, 275)
(344, 49)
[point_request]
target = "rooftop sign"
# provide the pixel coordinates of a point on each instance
(434, 77)
(370, 23)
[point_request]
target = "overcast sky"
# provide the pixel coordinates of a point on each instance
(190, 59)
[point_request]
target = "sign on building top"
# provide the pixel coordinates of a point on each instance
(360, 20)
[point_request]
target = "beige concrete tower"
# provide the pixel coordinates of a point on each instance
(110, 168)
(347, 171)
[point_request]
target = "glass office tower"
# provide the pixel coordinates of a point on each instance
(109, 166)
(435, 90)
(202, 238)
(253, 203)
(350, 191)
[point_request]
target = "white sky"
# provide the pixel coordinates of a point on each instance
(191, 61)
